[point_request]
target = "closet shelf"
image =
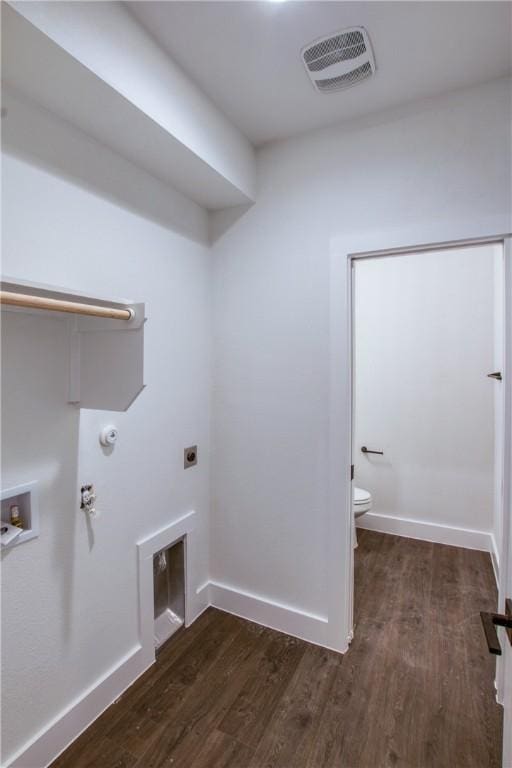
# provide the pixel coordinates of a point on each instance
(106, 340)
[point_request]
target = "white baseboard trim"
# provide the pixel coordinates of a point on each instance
(202, 598)
(43, 748)
(278, 616)
(200, 602)
(435, 532)
(46, 745)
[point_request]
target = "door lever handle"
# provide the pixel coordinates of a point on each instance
(496, 375)
(492, 620)
(364, 449)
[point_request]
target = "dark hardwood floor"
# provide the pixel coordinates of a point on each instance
(415, 689)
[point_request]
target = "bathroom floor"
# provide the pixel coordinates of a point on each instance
(415, 689)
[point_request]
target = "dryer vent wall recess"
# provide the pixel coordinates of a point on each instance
(340, 60)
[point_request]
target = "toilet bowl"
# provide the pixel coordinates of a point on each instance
(361, 502)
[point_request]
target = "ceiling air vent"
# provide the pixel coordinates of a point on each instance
(339, 61)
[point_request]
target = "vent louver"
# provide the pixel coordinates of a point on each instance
(340, 60)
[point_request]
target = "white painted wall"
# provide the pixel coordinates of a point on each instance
(37, 136)
(69, 600)
(427, 170)
(103, 37)
(445, 160)
(423, 346)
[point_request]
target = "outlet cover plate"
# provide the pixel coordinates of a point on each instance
(190, 456)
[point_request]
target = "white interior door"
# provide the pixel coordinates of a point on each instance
(504, 668)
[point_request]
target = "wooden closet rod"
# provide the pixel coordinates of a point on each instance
(58, 305)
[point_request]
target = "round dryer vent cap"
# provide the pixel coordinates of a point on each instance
(109, 435)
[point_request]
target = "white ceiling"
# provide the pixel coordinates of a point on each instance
(246, 55)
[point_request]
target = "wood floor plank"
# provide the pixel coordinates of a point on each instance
(168, 654)
(198, 715)
(135, 731)
(93, 754)
(222, 751)
(371, 679)
(116, 723)
(415, 689)
(249, 716)
(290, 736)
(142, 723)
(168, 691)
(460, 721)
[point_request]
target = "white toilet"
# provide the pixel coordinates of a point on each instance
(361, 502)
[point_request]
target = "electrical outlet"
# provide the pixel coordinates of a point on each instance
(190, 456)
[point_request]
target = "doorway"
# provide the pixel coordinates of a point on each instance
(427, 405)
(414, 445)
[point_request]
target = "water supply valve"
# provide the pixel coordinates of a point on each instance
(88, 499)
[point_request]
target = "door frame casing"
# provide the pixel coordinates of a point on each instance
(343, 252)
